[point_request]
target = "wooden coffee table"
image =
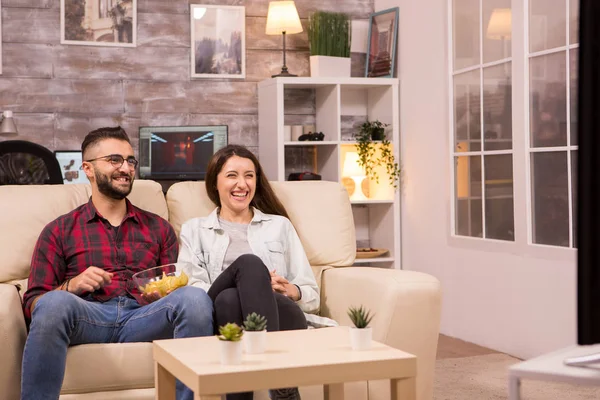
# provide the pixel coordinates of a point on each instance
(293, 358)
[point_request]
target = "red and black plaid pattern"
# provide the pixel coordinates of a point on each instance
(83, 238)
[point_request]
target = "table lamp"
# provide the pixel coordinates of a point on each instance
(353, 170)
(500, 27)
(283, 19)
(7, 126)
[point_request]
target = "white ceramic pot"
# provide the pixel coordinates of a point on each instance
(360, 339)
(231, 352)
(331, 67)
(255, 342)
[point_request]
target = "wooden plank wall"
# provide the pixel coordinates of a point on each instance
(59, 93)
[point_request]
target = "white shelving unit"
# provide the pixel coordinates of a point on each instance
(377, 220)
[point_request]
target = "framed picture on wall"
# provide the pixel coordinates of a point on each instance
(70, 166)
(98, 22)
(381, 46)
(218, 41)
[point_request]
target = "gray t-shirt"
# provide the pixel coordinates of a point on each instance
(238, 241)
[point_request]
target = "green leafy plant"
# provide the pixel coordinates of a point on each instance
(231, 332)
(360, 316)
(369, 132)
(329, 34)
(255, 322)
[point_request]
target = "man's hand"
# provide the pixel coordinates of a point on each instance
(90, 280)
(153, 296)
(283, 286)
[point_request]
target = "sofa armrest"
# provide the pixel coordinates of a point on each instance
(12, 340)
(406, 304)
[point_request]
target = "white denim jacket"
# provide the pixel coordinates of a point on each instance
(272, 238)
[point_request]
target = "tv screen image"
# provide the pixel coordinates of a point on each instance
(180, 152)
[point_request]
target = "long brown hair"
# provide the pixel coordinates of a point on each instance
(264, 198)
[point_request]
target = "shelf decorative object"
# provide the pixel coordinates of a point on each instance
(383, 36)
(329, 36)
(353, 170)
(282, 19)
(368, 155)
(361, 335)
(231, 346)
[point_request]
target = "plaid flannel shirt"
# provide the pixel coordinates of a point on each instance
(83, 238)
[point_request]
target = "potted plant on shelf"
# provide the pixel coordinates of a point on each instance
(371, 138)
(329, 37)
(231, 346)
(255, 336)
(361, 334)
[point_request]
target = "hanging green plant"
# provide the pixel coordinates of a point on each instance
(369, 133)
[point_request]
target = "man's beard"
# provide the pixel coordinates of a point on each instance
(106, 188)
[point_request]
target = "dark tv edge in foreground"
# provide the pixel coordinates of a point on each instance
(588, 187)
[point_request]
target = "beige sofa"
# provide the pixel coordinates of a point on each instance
(406, 304)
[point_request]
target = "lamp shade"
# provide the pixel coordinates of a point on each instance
(282, 17)
(351, 166)
(7, 126)
(199, 12)
(500, 25)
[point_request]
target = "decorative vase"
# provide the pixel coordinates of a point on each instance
(329, 67)
(378, 134)
(255, 342)
(360, 338)
(231, 352)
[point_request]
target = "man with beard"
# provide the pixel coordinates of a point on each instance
(80, 289)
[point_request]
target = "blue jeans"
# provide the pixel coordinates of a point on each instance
(61, 319)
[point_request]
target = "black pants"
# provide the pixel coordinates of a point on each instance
(245, 287)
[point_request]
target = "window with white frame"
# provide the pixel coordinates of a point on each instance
(482, 142)
(552, 146)
(483, 138)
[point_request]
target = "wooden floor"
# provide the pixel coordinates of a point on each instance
(449, 347)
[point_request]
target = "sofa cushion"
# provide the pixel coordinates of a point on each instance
(28, 209)
(118, 366)
(326, 228)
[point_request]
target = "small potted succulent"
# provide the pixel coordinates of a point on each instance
(231, 346)
(361, 334)
(255, 335)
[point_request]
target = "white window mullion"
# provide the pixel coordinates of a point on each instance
(527, 125)
(568, 88)
(488, 64)
(482, 130)
(481, 153)
(551, 149)
(452, 141)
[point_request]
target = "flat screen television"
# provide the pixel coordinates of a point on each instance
(588, 184)
(179, 152)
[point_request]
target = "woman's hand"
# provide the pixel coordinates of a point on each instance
(283, 286)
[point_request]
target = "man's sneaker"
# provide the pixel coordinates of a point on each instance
(284, 394)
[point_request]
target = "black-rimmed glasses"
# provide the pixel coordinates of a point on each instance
(117, 160)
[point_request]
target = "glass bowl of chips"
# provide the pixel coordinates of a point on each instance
(155, 283)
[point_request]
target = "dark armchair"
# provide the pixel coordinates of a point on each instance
(27, 163)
